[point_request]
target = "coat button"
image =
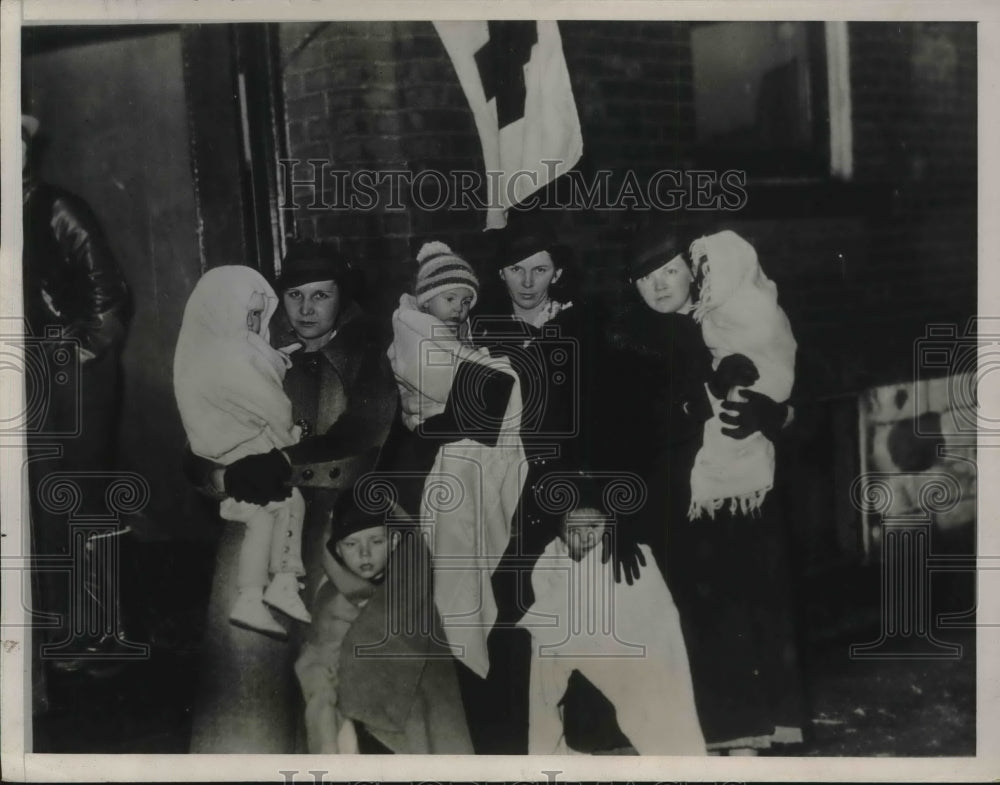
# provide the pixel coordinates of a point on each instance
(334, 472)
(288, 533)
(307, 474)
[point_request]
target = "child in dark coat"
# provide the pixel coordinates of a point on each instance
(375, 666)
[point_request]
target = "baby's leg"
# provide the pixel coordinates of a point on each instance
(251, 576)
(256, 546)
(286, 557)
(286, 535)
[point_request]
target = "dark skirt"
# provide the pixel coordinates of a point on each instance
(730, 581)
(497, 706)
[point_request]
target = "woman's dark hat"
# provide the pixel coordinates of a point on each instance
(526, 237)
(656, 242)
(308, 261)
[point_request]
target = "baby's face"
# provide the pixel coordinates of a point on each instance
(255, 313)
(365, 552)
(450, 306)
(582, 530)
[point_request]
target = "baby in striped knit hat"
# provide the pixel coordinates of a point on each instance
(430, 331)
(453, 394)
(447, 287)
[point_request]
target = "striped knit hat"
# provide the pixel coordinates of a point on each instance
(441, 269)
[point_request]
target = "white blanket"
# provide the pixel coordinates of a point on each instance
(739, 314)
(424, 356)
(228, 379)
(626, 640)
(472, 491)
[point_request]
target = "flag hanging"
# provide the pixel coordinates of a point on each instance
(515, 78)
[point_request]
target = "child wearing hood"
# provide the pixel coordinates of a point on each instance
(753, 354)
(609, 666)
(354, 567)
(228, 386)
(374, 671)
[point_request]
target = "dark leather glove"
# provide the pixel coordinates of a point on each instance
(735, 370)
(475, 407)
(755, 413)
(624, 552)
(259, 479)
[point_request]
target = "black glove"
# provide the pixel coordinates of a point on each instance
(625, 552)
(735, 370)
(259, 479)
(475, 407)
(756, 413)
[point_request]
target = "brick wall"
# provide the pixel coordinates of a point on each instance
(377, 96)
(860, 275)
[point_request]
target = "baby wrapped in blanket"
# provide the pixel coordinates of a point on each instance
(228, 386)
(739, 315)
(435, 365)
(623, 638)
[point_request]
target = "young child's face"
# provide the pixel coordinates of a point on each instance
(450, 306)
(582, 530)
(365, 552)
(255, 313)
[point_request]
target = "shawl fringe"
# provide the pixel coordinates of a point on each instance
(748, 504)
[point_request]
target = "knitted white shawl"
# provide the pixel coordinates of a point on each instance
(227, 379)
(739, 314)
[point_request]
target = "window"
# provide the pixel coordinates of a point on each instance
(770, 98)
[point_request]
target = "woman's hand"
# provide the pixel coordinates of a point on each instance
(625, 553)
(755, 413)
(735, 370)
(475, 407)
(259, 479)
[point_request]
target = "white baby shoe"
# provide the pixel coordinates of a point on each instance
(250, 612)
(283, 594)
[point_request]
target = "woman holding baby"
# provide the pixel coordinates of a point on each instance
(530, 315)
(706, 374)
(343, 397)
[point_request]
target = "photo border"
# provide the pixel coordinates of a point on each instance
(15, 665)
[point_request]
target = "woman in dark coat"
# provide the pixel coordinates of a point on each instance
(728, 575)
(344, 396)
(532, 318)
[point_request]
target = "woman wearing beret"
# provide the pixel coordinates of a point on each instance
(530, 312)
(533, 317)
(344, 397)
(728, 573)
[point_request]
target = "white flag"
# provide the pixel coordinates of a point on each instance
(515, 78)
